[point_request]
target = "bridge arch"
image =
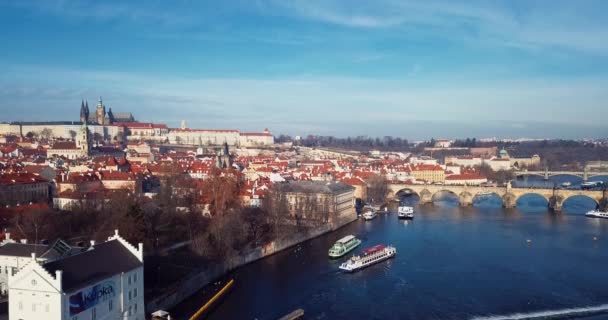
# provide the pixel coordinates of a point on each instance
(532, 201)
(481, 197)
(448, 192)
(579, 204)
(406, 192)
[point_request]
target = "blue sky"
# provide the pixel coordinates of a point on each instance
(415, 69)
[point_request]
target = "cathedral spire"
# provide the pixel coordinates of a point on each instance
(83, 112)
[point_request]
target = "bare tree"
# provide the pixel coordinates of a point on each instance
(377, 189)
(46, 134)
(73, 134)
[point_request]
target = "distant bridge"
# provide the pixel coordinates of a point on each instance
(585, 174)
(509, 195)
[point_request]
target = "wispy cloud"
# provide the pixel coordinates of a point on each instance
(557, 25)
(255, 103)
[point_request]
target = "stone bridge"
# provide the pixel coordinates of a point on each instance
(509, 195)
(585, 174)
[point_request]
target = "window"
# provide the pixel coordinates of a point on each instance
(33, 307)
(135, 293)
(94, 314)
(110, 305)
(135, 277)
(129, 281)
(20, 305)
(129, 295)
(47, 308)
(135, 308)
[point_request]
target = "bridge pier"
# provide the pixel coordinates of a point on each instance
(555, 203)
(509, 201)
(603, 204)
(465, 198)
(425, 196)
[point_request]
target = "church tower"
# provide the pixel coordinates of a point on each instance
(83, 140)
(110, 116)
(100, 112)
(84, 112)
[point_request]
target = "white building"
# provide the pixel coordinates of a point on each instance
(423, 160)
(464, 161)
(211, 137)
(15, 255)
(104, 282)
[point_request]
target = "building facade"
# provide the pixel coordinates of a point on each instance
(20, 188)
(209, 137)
(315, 202)
(104, 282)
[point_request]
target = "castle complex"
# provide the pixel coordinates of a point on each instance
(100, 116)
(113, 126)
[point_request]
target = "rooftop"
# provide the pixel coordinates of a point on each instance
(100, 262)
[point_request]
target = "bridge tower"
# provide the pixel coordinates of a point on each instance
(546, 173)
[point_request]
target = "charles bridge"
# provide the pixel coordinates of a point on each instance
(508, 194)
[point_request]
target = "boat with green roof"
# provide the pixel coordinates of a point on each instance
(344, 246)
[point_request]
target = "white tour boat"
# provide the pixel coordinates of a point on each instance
(405, 212)
(370, 256)
(369, 215)
(597, 214)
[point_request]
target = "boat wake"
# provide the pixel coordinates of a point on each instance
(570, 313)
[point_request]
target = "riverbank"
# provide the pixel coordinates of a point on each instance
(197, 281)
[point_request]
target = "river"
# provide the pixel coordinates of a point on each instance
(452, 263)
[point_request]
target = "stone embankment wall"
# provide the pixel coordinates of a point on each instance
(192, 284)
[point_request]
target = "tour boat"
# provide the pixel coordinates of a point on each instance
(566, 184)
(370, 256)
(344, 246)
(592, 184)
(405, 212)
(597, 214)
(369, 215)
(485, 193)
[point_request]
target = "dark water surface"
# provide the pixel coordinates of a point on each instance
(451, 263)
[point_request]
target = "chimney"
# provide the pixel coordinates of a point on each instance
(59, 278)
(34, 256)
(24, 241)
(92, 243)
(7, 236)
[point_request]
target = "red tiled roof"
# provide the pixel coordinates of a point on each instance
(20, 178)
(63, 145)
(465, 176)
(202, 130)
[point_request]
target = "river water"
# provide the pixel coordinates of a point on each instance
(452, 263)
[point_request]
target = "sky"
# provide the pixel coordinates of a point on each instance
(415, 69)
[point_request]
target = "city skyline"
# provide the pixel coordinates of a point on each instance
(417, 70)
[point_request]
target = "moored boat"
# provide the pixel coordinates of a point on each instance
(369, 215)
(597, 214)
(370, 256)
(344, 246)
(405, 212)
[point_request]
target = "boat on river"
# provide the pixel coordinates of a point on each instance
(344, 246)
(369, 257)
(369, 215)
(597, 214)
(405, 212)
